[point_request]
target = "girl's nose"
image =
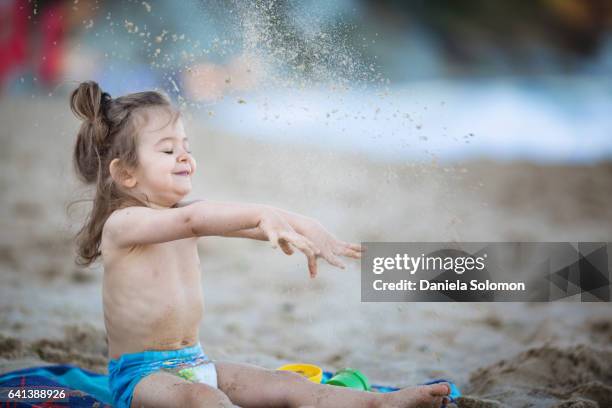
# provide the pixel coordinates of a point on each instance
(183, 157)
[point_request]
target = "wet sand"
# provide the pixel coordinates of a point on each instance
(262, 308)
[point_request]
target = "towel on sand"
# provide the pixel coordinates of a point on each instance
(85, 388)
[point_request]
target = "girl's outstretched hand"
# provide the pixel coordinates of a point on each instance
(330, 247)
(281, 234)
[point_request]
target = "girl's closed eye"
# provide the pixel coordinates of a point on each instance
(172, 152)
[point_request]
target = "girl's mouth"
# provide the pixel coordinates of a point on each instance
(183, 173)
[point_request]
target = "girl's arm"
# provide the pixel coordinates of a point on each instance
(261, 222)
(142, 225)
(298, 222)
(330, 247)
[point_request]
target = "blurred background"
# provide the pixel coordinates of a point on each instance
(386, 120)
(394, 79)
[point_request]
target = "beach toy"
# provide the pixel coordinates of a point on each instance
(350, 378)
(310, 371)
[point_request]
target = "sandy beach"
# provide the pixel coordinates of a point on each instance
(261, 306)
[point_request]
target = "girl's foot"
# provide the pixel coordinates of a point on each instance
(430, 396)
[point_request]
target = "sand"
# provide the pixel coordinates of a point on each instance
(262, 308)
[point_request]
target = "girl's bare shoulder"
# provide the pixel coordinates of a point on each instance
(112, 221)
(113, 226)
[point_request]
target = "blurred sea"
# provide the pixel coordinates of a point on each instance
(549, 120)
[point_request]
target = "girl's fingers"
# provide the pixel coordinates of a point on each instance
(352, 254)
(310, 255)
(311, 245)
(312, 265)
(294, 239)
(273, 238)
(300, 243)
(354, 247)
(344, 251)
(308, 248)
(286, 247)
(333, 260)
(302, 240)
(287, 239)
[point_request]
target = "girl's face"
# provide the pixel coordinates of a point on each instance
(165, 162)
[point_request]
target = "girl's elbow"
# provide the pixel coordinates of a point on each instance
(190, 224)
(192, 229)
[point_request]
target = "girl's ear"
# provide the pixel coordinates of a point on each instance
(121, 175)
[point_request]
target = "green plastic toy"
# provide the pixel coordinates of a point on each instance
(350, 378)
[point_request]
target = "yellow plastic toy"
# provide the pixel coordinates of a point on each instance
(310, 371)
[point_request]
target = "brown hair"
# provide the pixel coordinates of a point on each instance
(108, 132)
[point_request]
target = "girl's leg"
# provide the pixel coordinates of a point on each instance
(253, 387)
(166, 390)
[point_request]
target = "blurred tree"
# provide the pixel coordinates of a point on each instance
(471, 32)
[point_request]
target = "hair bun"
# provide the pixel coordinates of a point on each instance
(88, 103)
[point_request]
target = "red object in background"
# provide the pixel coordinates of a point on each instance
(28, 40)
(52, 30)
(13, 36)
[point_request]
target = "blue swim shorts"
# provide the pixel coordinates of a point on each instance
(189, 363)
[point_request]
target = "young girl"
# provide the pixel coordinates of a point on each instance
(134, 149)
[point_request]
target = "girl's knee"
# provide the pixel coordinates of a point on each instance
(204, 396)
